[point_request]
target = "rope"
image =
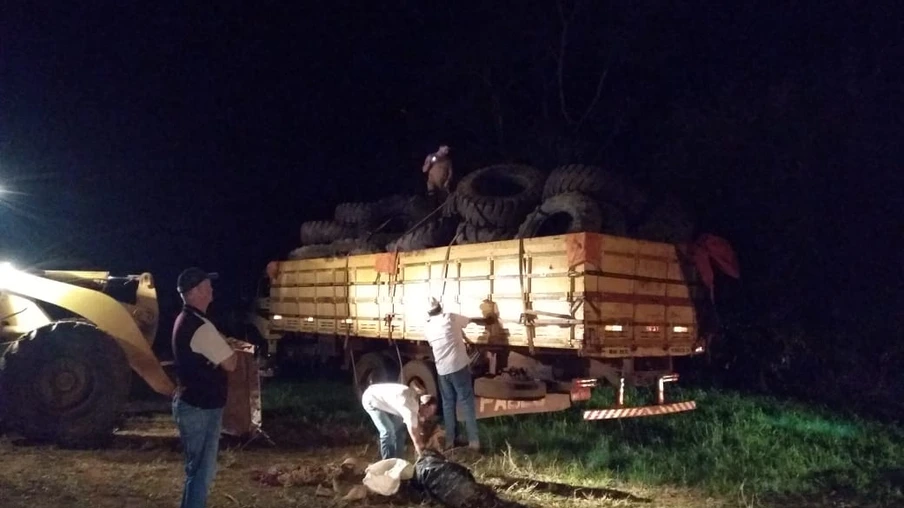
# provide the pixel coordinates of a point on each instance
(525, 299)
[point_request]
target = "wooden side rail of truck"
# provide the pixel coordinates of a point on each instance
(573, 309)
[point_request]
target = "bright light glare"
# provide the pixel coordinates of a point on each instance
(6, 268)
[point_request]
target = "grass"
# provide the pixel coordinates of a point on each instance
(732, 445)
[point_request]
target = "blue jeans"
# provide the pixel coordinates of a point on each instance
(199, 430)
(459, 387)
(393, 433)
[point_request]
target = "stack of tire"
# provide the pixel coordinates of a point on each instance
(583, 198)
(493, 201)
(499, 202)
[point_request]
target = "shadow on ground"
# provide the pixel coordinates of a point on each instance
(564, 490)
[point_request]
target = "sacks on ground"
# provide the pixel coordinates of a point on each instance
(385, 476)
(453, 485)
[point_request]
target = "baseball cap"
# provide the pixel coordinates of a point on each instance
(191, 277)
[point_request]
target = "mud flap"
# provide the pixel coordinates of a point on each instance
(242, 414)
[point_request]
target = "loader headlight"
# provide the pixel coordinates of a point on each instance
(6, 268)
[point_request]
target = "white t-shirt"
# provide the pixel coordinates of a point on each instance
(208, 342)
(394, 398)
(444, 333)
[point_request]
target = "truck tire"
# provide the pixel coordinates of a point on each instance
(374, 367)
(594, 181)
(355, 214)
(324, 231)
(418, 373)
(499, 195)
(504, 387)
(470, 233)
(65, 382)
(352, 247)
(570, 212)
(436, 233)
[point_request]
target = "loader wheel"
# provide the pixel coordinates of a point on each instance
(469, 233)
(499, 195)
(373, 368)
(64, 382)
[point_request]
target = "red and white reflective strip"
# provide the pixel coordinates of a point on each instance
(633, 412)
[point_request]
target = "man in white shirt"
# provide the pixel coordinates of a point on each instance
(394, 408)
(443, 332)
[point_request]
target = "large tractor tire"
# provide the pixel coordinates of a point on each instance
(470, 233)
(435, 233)
(499, 195)
(319, 232)
(594, 181)
(570, 212)
(360, 215)
(66, 383)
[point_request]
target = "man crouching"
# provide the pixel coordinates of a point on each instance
(394, 409)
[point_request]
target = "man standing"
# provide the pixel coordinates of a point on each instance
(444, 333)
(394, 408)
(202, 359)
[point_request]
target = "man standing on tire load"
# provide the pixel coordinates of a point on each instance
(444, 333)
(394, 407)
(202, 359)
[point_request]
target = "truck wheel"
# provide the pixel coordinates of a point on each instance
(571, 212)
(420, 375)
(503, 387)
(373, 368)
(499, 195)
(601, 184)
(65, 382)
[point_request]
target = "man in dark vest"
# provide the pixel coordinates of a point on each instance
(202, 359)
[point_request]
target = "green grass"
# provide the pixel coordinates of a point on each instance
(730, 444)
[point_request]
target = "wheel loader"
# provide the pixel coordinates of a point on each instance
(69, 344)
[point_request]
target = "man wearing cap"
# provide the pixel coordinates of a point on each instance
(444, 333)
(394, 408)
(202, 359)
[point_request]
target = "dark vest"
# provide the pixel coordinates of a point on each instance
(203, 384)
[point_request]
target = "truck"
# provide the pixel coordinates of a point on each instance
(72, 344)
(576, 312)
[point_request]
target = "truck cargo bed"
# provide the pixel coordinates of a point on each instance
(595, 295)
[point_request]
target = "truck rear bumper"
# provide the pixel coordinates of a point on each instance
(633, 412)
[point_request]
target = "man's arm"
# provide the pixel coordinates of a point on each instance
(209, 343)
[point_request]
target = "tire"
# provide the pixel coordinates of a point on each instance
(352, 247)
(594, 181)
(571, 212)
(469, 233)
(499, 195)
(504, 387)
(667, 222)
(374, 367)
(323, 231)
(311, 251)
(65, 382)
(423, 374)
(437, 233)
(396, 214)
(355, 214)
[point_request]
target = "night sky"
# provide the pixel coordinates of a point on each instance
(156, 135)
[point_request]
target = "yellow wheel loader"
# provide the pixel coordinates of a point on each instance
(69, 342)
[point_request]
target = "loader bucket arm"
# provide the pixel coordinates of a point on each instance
(103, 311)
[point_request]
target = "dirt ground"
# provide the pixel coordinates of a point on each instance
(144, 468)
